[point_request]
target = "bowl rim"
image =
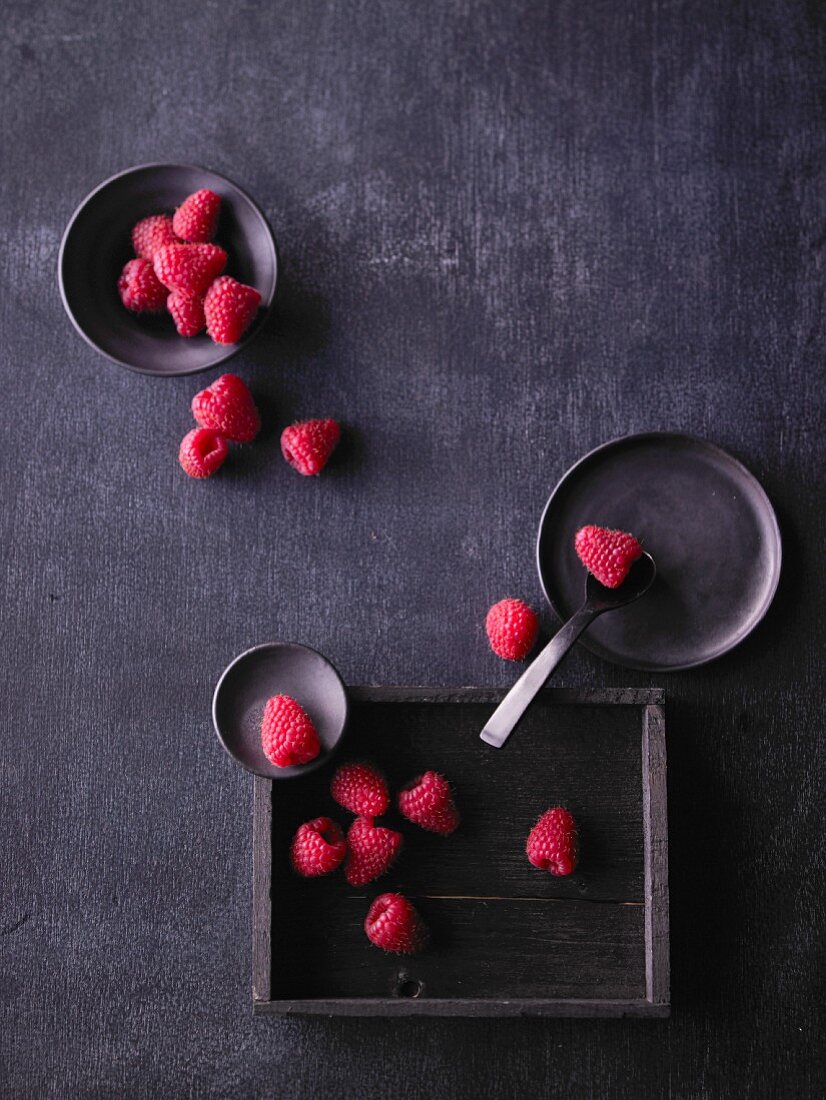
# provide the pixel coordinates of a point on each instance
(229, 351)
(322, 758)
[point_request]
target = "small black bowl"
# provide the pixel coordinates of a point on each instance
(278, 668)
(97, 243)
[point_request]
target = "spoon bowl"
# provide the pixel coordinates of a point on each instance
(640, 578)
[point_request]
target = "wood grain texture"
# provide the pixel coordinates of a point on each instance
(510, 232)
(261, 889)
(655, 829)
(501, 931)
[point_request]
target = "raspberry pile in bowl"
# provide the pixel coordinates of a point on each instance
(179, 269)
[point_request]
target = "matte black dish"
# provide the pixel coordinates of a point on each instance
(278, 668)
(709, 526)
(97, 244)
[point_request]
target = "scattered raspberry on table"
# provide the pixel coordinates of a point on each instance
(552, 842)
(228, 407)
(308, 444)
(512, 628)
(394, 924)
(202, 452)
(373, 849)
(196, 219)
(427, 801)
(139, 288)
(318, 847)
(361, 789)
(288, 735)
(151, 234)
(606, 553)
(230, 309)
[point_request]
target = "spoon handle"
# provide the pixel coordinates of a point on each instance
(501, 723)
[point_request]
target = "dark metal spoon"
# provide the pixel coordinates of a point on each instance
(598, 600)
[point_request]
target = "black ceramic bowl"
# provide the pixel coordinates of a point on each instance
(97, 243)
(278, 668)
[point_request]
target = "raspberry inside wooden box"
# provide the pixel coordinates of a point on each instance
(507, 939)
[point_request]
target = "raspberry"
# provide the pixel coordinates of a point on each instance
(202, 452)
(607, 554)
(230, 308)
(227, 406)
(139, 288)
(512, 629)
(394, 924)
(152, 233)
(196, 219)
(318, 847)
(189, 267)
(188, 315)
(372, 850)
(288, 735)
(427, 801)
(360, 789)
(308, 444)
(552, 842)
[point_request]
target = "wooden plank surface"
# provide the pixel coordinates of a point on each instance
(655, 832)
(483, 948)
(586, 758)
(501, 929)
(521, 1008)
(261, 889)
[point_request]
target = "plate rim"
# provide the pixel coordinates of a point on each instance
(683, 437)
(230, 352)
(323, 757)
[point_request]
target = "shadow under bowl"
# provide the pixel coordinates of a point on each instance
(278, 668)
(97, 243)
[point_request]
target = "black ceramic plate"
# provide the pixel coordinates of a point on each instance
(278, 668)
(708, 525)
(97, 244)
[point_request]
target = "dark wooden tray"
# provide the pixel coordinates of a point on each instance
(508, 940)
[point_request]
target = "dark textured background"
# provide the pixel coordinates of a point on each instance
(510, 232)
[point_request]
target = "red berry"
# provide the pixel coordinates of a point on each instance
(512, 629)
(152, 233)
(202, 452)
(288, 735)
(189, 267)
(607, 554)
(372, 850)
(230, 309)
(394, 924)
(360, 789)
(308, 445)
(552, 842)
(196, 219)
(318, 847)
(227, 406)
(427, 801)
(139, 288)
(188, 315)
